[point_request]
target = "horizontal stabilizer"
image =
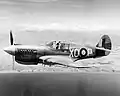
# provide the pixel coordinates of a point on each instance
(93, 47)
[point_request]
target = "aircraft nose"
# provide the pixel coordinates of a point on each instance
(10, 50)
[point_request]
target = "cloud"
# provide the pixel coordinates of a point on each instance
(51, 26)
(39, 1)
(7, 2)
(61, 26)
(3, 17)
(25, 1)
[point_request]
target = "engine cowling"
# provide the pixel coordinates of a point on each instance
(27, 59)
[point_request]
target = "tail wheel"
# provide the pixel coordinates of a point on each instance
(83, 52)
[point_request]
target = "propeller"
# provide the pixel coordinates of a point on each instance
(11, 37)
(11, 42)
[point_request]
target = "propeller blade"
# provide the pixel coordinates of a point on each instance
(13, 63)
(11, 42)
(11, 37)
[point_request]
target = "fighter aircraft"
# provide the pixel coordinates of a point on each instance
(56, 52)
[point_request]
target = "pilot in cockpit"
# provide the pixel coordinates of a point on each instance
(56, 45)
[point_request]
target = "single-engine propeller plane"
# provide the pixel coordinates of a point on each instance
(55, 52)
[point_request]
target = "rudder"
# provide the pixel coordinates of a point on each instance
(105, 42)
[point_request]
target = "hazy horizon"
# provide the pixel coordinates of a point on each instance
(76, 15)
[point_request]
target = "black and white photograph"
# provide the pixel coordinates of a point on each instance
(59, 47)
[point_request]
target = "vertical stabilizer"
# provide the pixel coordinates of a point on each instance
(105, 42)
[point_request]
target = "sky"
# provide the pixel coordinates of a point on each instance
(77, 15)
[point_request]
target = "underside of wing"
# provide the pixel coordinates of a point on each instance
(62, 60)
(57, 59)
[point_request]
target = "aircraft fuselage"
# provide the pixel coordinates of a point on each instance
(45, 50)
(29, 54)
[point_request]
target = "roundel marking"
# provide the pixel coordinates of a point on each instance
(83, 52)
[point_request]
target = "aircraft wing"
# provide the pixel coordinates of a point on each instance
(64, 61)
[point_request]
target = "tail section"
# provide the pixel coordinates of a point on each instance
(105, 42)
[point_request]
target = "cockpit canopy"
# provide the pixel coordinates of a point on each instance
(58, 45)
